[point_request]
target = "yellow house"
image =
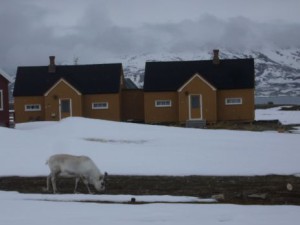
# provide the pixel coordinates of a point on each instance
(181, 92)
(197, 92)
(57, 91)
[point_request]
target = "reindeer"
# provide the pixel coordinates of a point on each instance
(80, 167)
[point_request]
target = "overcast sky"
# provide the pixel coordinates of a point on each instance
(90, 30)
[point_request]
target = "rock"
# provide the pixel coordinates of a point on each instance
(260, 196)
(289, 187)
(218, 197)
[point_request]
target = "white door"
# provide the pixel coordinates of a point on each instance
(65, 108)
(195, 107)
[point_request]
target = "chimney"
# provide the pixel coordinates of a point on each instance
(51, 67)
(216, 59)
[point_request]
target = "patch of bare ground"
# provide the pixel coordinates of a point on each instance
(270, 189)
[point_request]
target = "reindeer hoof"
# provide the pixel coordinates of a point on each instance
(45, 189)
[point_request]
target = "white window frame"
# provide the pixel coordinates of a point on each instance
(32, 107)
(1, 100)
(233, 101)
(163, 103)
(100, 105)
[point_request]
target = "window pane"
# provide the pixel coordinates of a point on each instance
(100, 105)
(195, 101)
(33, 107)
(65, 106)
(163, 103)
(233, 101)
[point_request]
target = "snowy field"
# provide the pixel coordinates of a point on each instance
(20, 209)
(134, 149)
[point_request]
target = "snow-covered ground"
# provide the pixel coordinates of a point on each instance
(136, 149)
(125, 148)
(285, 117)
(23, 209)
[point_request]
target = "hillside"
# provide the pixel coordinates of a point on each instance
(277, 71)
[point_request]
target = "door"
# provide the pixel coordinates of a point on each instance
(65, 108)
(195, 107)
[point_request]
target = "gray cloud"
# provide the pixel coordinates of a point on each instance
(30, 32)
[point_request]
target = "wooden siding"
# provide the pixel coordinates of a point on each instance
(62, 90)
(111, 113)
(22, 116)
(133, 105)
(240, 112)
(160, 114)
(4, 112)
(198, 86)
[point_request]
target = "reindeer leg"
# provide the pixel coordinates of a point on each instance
(76, 184)
(86, 184)
(48, 182)
(53, 181)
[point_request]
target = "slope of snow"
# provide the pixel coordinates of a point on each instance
(126, 148)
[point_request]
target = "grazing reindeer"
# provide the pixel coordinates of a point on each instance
(80, 167)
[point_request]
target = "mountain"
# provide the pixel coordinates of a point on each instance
(277, 71)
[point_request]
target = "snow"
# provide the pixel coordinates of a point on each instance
(105, 198)
(285, 117)
(126, 148)
(136, 149)
(22, 209)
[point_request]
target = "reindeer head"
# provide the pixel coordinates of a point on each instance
(100, 182)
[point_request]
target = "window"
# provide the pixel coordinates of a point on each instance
(1, 100)
(100, 105)
(195, 101)
(65, 105)
(163, 103)
(33, 107)
(233, 101)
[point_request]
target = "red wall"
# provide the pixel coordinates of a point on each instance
(4, 114)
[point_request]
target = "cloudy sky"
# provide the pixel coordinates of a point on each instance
(92, 30)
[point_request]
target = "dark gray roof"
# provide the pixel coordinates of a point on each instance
(228, 74)
(88, 79)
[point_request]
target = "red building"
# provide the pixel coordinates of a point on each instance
(5, 79)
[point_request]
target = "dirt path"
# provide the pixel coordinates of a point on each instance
(242, 190)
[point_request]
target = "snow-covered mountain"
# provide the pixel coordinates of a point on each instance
(277, 71)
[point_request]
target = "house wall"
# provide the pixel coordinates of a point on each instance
(209, 100)
(114, 107)
(242, 112)
(4, 112)
(62, 91)
(22, 116)
(133, 105)
(160, 114)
